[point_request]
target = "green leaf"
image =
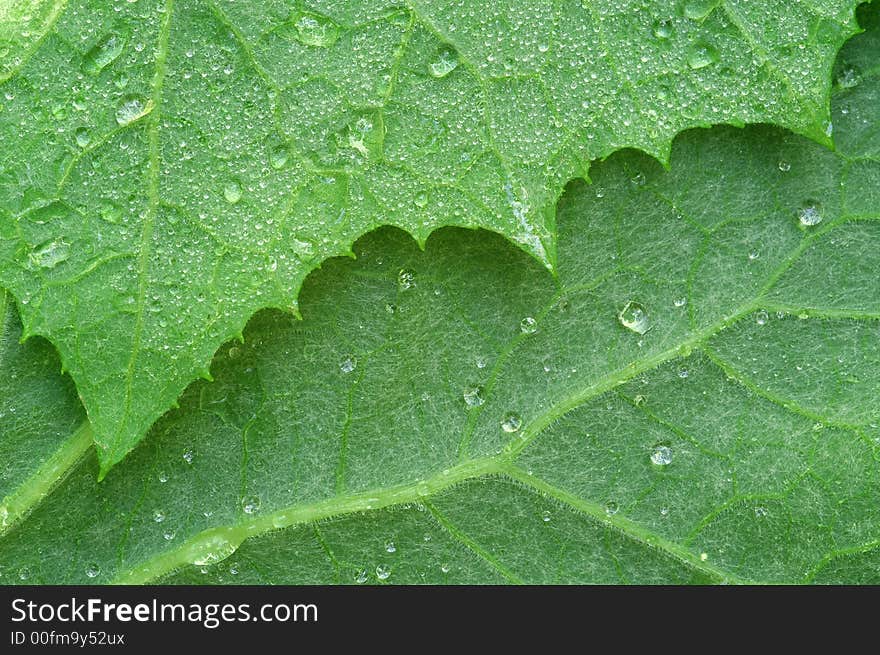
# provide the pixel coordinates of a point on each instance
(171, 168)
(458, 415)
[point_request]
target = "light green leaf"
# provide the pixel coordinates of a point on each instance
(170, 168)
(458, 415)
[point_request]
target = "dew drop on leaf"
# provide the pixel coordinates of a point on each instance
(444, 63)
(232, 192)
(545, 516)
(848, 78)
(444, 568)
(662, 29)
(680, 302)
(810, 214)
(528, 325)
(473, 396)
(250, 504)
(511, 423)
(348, 364)
(131, 109)
(421, 199)
(761, 317)
(168, 535)
(406, 280)
(104, 53)
(24, 573)
(701, 54)
(784, 166)
(188, 456)
(158, 516)
(49, 255)
(316, 30)
(93, 571)
(761, 512)
(278, 157)
(699, 9)
(662, 456)
(383, 572)
(634, 317)
(215, 548)
(82, 136)
(390, 547)
(611, 508)
(361, 576)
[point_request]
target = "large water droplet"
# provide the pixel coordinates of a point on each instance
(810, 214)
(132, 108)
(511, 423)
(473, 396)
(316, 30)
(278, 157)
(699, 9)
(232, 191)
(215, 548)
(82, 136)
(50, 254)
(848, 78)
(701, 54)
(103, 53)
(250, 504)
(383, 572)
(634, 317)
(662, 456)
(444, 63)
(528, 325)
(662, 29)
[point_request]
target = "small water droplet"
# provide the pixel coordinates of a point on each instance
(390, 547)
(163, 477)
(662, 29)
(699, 9)
(361, 576)
(511, 423)
(528, 325)
(701, 54)
(188, 456)
(383, 572)
(473, 396)
(316, 30)
(784, 166)
(761, 317)
(662, 456)
(810, 214)
(634, 317)
(664, 511)
(158, 516)
(24, 573)
(82, 136)
(639, 179)
(421, 199)
(704, 557)
(168, 535)
(444, 63)
(639, 400)
(250, 504)
(232, 192)
(848, 78)
(546, 516)
(683, 374)
(348, 364)
(611, 508)
(110, 212)
(680, 302)
(50, 254)
(93, 571)
(753, 255)
(131, 109)
(444, 568)
(761, 512)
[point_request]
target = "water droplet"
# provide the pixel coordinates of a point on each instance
(188, 456)
(250, 504)
(699, 9)
(103, 53)
(406, 279)
(163, 477)
(680, 302)
(784, 166)
(848, 78)
(158, 516)
(701, 54)
(361, 576)
(82, 136)
(169, 535)
(365, 134)
(24, 573)
(473, 396)
(110, 212)
(232, 192)
(634, 317)
(421, 199)
(683, 374)
(639, 179)
(753, 255)
(390, 547)
(215, 548)
(611, 508)
(528, 325)
(50, 254)
(704, 557)
(278, 157)
(4, 516)
(662, 456)
(545, 516)
(444, 568)
(761, 512)
(639, 400)
(348, 364)
(131, 109)
(383, 572)
(444, 63)
(664, 511)
(761, 317)
(662, 29)
(810, 214)
(93, 571)
(316, 30)
(511, 423)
